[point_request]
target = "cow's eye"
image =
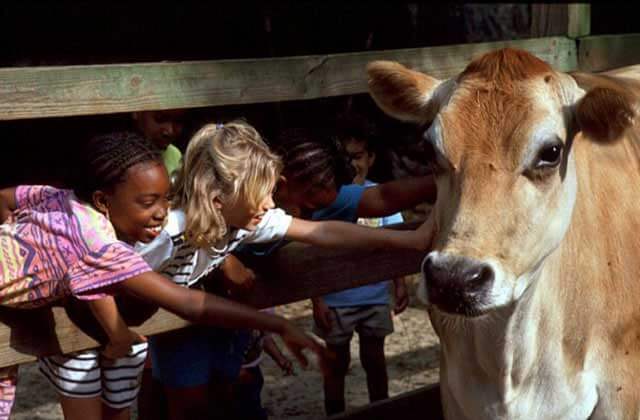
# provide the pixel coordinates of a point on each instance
(549, 156)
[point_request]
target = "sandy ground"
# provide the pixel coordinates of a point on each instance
(412, 357)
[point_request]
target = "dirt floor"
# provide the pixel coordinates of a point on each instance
(412, 357)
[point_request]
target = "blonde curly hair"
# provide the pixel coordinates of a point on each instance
(229, 162)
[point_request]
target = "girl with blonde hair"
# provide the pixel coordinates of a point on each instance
(222, 198)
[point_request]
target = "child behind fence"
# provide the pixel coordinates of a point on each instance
(222, 199)
(62, 243)
(317, 183)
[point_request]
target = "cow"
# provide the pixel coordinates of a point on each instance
(533, 282)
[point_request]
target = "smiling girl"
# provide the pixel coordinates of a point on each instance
(77, 244)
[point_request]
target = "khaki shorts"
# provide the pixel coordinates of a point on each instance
(368, 321)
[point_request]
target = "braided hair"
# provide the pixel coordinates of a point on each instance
(107, 158)
(314, 162)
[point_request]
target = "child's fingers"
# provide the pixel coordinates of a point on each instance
(302, 359)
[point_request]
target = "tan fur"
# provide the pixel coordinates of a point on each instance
(386, 78)
(568, 344)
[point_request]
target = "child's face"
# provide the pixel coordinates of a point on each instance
(161, 127)
(243, 216)
(360, 157)
(137, 207)
(300, 199)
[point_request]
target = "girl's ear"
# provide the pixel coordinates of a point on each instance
(217, 203)
(100, 201)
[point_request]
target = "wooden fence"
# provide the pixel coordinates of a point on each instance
(297, 271)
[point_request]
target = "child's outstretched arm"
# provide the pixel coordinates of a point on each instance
(7, 203)
(391, 197)
(204, 308)
(120, 336)
(332, 234)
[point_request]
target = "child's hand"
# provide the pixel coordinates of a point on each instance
(296, 341)
(238, 279)
(286, 365)
(121, 347)
(321, 314)
(5, 214)
(401, 296)
(425, 234)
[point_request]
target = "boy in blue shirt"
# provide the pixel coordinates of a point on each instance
(365, 309)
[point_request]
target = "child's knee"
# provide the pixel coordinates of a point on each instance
(340, 360)
(372, 353)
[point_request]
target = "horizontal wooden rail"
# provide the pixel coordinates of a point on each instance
(605, 52)
(294, 273)
(420, 404)
(36, 92)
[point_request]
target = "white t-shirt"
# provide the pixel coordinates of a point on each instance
(170, 255)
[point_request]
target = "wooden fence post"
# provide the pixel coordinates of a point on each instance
(579, 20)
(572, 20)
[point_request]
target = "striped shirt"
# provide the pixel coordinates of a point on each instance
(171, 255)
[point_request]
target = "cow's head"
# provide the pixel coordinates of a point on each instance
(501, 135)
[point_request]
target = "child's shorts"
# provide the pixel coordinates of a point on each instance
(197, 356)
(366, 320)
(88, 374)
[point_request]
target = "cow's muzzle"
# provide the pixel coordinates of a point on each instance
(456, 284)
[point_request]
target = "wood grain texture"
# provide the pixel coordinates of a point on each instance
(605, 52)
(420, 404)
(36, 92)
(549, 19)
(579, 20)
(294, 273)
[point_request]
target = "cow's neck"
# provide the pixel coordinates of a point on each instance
(504, 346)
(511, 357)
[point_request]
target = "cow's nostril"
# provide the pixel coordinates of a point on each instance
(457, 284)
(461, 273)
(479, 276)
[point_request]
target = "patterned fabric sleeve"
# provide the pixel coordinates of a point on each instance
(30, 195)
(111, 264)
(8, 381)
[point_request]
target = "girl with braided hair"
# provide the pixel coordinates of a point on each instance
(321, 181)
(222, 198)
(57, 244)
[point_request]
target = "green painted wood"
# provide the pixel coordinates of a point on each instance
(36, 92)
(605, 52)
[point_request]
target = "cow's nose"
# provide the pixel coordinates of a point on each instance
(451, 279)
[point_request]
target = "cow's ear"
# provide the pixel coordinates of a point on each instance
(403, 94)
(604, 114)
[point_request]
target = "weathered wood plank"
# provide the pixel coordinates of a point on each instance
(420, 404)
(599, 53)
(579, 20)
(549, 19)
(294, 273)
(34, 92)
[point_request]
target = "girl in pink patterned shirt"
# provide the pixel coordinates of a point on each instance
(57, 243)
